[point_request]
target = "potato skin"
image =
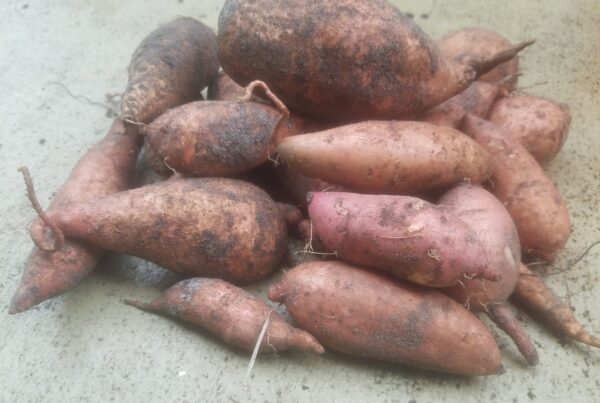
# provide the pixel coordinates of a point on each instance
(366, 60)
(395, 157)
(196, 227)
(539, 124)
(231, 313)
(169, 68)
(364, 314)
(530, 197)
(106, 168)
(472, 43)
(406, 236)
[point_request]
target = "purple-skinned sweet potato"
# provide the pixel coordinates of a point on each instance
(406, 236)
(232, 314)
(370, 315)
(106, 168)
(348, 60)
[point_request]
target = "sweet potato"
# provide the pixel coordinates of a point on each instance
(487, 217)
(106, 168)
(539, 124)
(479, 43)
(533, 295)
(346, 60)
(361, 313)
(223, 88)
(530, 197)
(477, 99)
(387, 157)
(298, 186)
(231, 313)
(406, 236)
(169, 68)
(196, 227)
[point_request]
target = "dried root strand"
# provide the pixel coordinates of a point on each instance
(37, 232)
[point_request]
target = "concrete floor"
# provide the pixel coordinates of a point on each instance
(88, 346)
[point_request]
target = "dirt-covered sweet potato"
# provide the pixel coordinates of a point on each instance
(345, 60)
(539, 124)
(207, 227)
(231, 313)
(169, 68)
(476, 43)
(390, 157)
(518, 181)
(106, 168)
(365, 314)
(406, 236)
(487, 217)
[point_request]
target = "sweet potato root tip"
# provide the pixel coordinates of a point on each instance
(503, 316)
(484, 66)
(262, 85)
(37, 235)
(144, 306)
(305, 341)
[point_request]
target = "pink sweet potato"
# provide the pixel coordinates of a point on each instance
(365, 314)
(387, 157)
(406, 236)
(539, 124)
(106, 168)
(530, 197)
(231, 313)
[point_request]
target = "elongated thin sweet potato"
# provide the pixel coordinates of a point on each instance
(196, 227)
(533, 295)
(488, 218)
(106, 168)
(361, 313)
(539, 124)
(530, 197)
(387, 157)
(406, 236)
(231, 313)
(475, 43)
(169, 68)
(346, 60)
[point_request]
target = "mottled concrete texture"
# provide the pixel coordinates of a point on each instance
(88, 346)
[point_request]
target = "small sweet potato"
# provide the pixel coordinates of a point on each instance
(196, 227)
(476, 43)
(406, 236)
(169, 68)
(348, 60)
(387, 157)
(539, 124)
(530, 197)
(106, 168)
(231, 313)
(365, 314)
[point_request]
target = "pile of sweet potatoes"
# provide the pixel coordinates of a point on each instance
(408, 165)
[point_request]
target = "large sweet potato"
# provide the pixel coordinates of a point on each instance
(530, 197)
(347, 59)
(169, 68)
(387, 157)
(106, 168)
(361, 313)
(232, 314)
(196, 227)
(406, 236)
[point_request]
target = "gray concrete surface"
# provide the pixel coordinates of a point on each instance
(88, 346)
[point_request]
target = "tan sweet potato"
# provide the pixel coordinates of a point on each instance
(530, 197)
(475, 43)
(169, 68)
(196, 227)
(387, 157)
(539, 124)
(348, 60)
(533, 295)
(364, 314)
(488, 218)
(106, 168)
(231, 313)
